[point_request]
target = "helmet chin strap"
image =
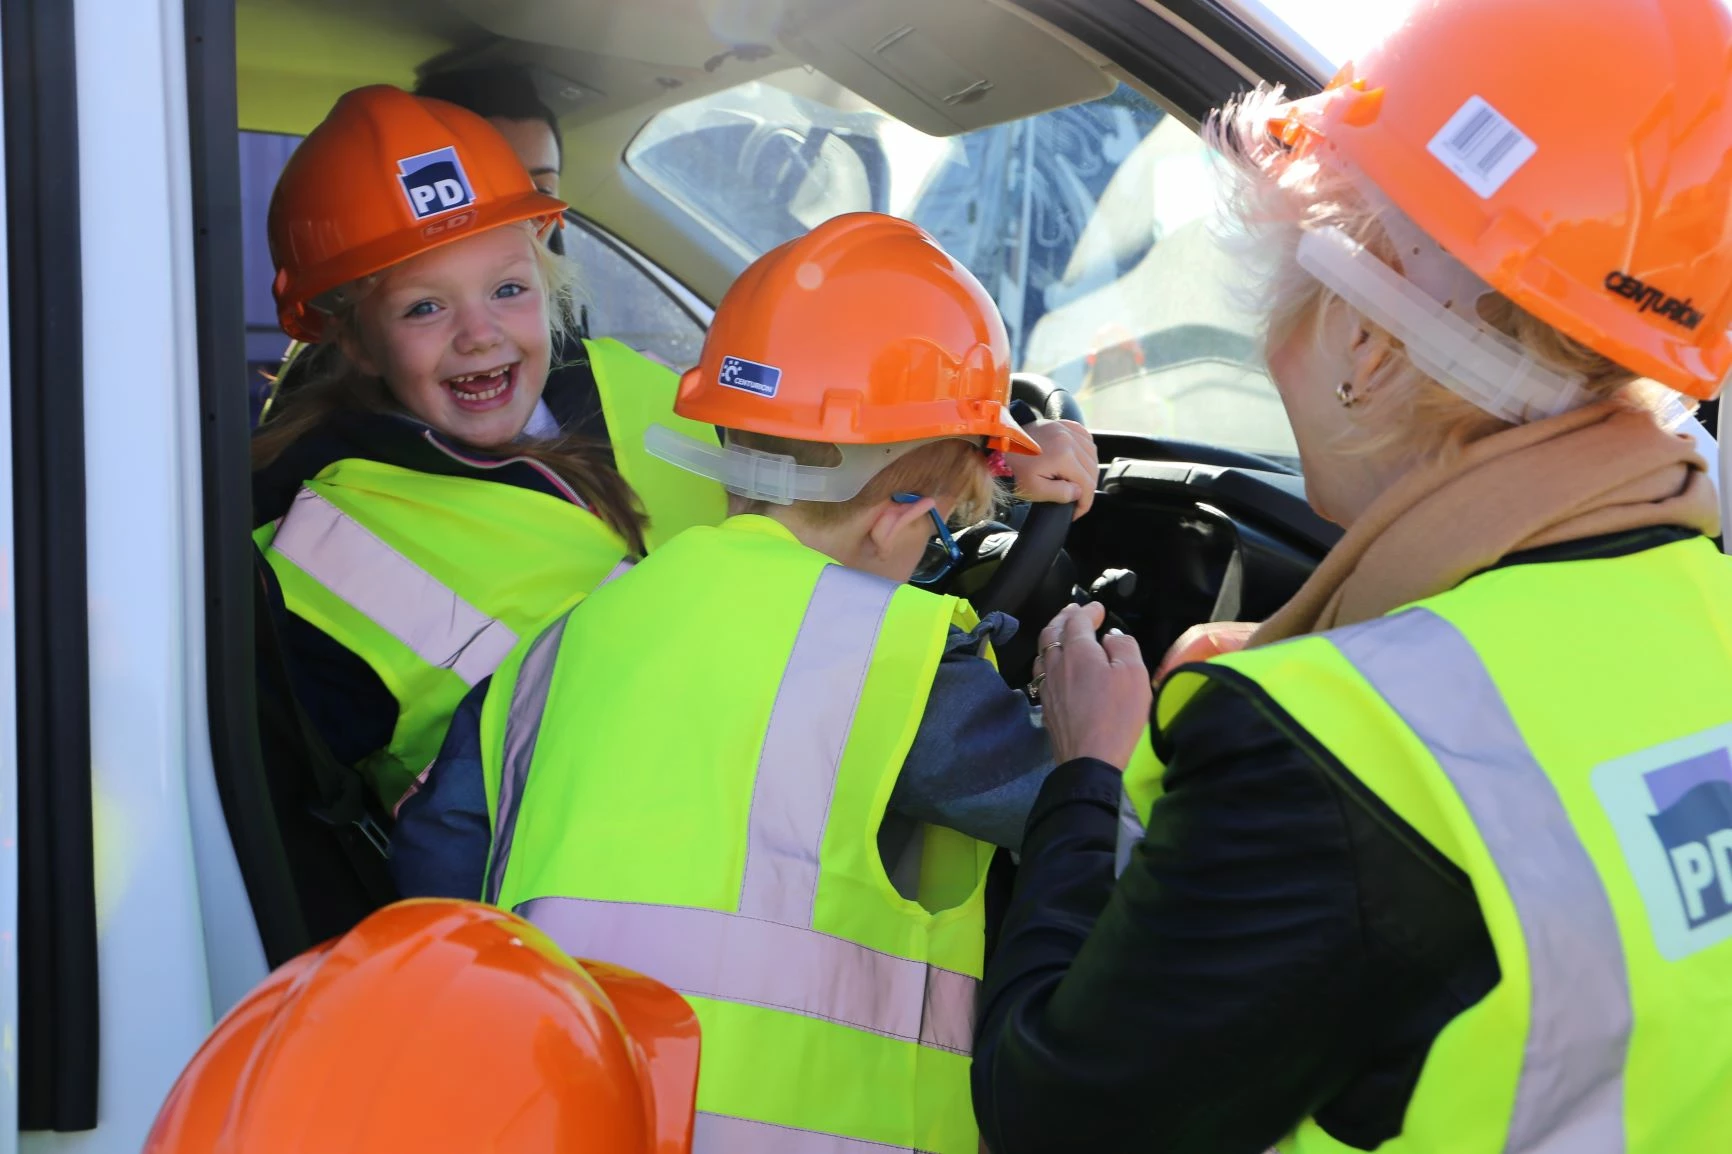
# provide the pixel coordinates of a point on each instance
(1432, 305)
(777, 477)
(1433, 311)
(333, 301)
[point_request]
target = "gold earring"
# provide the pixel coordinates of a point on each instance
(1344, 394)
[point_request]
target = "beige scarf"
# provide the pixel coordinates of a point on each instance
(1600, 469)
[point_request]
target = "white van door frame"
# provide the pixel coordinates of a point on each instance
(143, 933)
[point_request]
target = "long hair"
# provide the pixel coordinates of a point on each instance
(333, 385)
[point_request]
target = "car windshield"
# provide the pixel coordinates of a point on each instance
(1092, 227)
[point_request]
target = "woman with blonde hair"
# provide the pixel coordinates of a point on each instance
(1442, 859)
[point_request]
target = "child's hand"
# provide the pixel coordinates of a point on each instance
(1066, 470)
(1095, 695)
(1201, 642)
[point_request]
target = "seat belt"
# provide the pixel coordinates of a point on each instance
(333, 793)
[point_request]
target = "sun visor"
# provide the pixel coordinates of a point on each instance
(944, 68)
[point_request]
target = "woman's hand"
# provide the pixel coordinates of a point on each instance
(1095, 694)
(1067, 469)
(1201, 642)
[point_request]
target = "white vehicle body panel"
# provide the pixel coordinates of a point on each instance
(166, 874)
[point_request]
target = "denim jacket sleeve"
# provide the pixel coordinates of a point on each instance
(979, 755)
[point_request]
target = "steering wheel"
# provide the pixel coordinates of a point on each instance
(1046, 526)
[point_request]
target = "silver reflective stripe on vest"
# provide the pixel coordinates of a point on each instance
(1571, 1094)
(618, 571)
(802, 752)
(522, 727)
(390, 590)
(732, 958)
(767, 954)
(720, 1134)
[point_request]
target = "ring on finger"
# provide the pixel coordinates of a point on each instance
(1050, 646)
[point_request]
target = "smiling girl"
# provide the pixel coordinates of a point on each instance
(416, 502)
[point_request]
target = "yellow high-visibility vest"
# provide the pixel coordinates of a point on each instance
(1563, 733)
(687, 774)
(431, 579)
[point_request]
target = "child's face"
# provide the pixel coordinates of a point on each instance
(460, 335)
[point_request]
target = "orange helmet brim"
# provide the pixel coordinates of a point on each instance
(306, 323)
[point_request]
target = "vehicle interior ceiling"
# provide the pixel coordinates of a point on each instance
(1207, 532)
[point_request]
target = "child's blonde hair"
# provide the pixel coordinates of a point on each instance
(332, 384)
(951, 468)
(1274, 194)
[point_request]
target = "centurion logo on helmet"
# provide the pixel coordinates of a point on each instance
(1650, 298)
(435, 183)
(749, 376)
(1671, 807)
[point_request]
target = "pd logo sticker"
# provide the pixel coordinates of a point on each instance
(749, 376)
(1672, 809)
(435, 183)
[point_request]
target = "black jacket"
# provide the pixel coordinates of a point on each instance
(1281, 946)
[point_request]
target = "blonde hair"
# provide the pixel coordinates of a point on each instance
(1273, 195)
(333, 384)
(950, 468)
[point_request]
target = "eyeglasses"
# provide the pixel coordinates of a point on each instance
(942, 554)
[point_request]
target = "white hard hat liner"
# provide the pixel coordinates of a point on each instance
(1446, 338)
(776, 477)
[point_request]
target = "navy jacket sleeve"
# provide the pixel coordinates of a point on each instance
(344, 699)
(978, 757)
(1212, 998)
(439, 846)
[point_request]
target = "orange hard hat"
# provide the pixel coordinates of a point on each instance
(861, 332)
(384, 177)
(1576, 156)
(441, 1025)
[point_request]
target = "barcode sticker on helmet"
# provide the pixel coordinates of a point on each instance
(1482, 147)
